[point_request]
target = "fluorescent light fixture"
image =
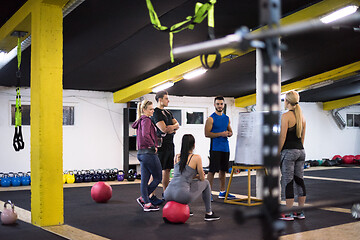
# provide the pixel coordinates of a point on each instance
(163, 86)
(320, 84)
(343, 12)
(194, 73)
(2, 56)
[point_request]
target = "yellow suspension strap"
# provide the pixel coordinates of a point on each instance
(211, 33)
(201, 11)
(18, 141)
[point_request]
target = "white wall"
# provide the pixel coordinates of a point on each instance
(323, 138)
(95, 141)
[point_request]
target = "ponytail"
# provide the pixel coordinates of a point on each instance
(141, 106)
(187, 144)
(293, 98)
(299, 120)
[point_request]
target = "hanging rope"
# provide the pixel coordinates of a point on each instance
(18, 142)
(201, 11)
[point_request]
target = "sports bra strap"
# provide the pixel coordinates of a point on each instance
(190, 159)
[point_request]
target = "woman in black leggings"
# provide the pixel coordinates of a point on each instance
(292, 156)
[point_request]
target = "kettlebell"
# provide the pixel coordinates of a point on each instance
(103, 175)
(16, 180)
(87, 176)
(25, 180)
(65, 177)
(5, 181)
(11, 176)
(8, 216)
(29, 174)
(95, 175)
(79, 177)
(70, 177)
(131, 175)
(120, 175)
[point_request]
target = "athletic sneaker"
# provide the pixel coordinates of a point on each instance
(287, 217)
(299, 215)
(140, 202)
(150, 207)
(211, 217)
(222, 194)
(156, 201)
(191, 214)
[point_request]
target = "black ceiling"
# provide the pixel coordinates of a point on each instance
(109, 45)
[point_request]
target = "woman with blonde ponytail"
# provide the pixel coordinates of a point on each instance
(147, 154)
(292, 135)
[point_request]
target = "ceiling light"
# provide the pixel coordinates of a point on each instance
(194, 73)
(320, 84)
(2, 56)
(163, 86)
(343, 12)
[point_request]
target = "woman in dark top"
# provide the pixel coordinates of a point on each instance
(147, 154)
(292, 155)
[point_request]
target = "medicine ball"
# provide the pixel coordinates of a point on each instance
(174, 212)
(101, 192)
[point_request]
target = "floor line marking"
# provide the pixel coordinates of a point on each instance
(346, 231)
(332, 179)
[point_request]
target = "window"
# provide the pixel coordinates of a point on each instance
(68, 115)
(194, 117)
(353, 120)
(177, 115)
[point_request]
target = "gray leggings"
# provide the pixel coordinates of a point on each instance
(292, 170)
(183, 195)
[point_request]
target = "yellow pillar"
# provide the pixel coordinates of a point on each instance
(46, 113)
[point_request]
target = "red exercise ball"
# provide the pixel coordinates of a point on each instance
(101, 192)
(348, 159)
(336, 156)
(357, 157)
(175, 212)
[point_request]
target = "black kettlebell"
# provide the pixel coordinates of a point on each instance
(103, 175)
(112, 175)
(87, 176)
(131, 175)
(95, 175)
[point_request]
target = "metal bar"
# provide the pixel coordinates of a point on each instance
(234, 40)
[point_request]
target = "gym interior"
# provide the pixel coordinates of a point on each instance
(84, 65)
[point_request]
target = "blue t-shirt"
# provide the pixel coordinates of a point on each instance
(220, 124)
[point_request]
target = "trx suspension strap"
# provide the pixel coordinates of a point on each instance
(18, 142)
(201, 11)
(211, 33)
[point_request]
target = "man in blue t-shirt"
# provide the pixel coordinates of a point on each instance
(218, 129)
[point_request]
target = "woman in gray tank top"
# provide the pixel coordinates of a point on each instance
(189, 180)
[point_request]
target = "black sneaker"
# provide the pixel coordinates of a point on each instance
(191, 214)
(140, 202)
(155, 201)
(211, 217)
(150, 207)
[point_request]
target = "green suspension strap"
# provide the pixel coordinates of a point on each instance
(211, 34)
(18, 142)
(201, 11)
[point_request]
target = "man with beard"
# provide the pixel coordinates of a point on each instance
(218, 129)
